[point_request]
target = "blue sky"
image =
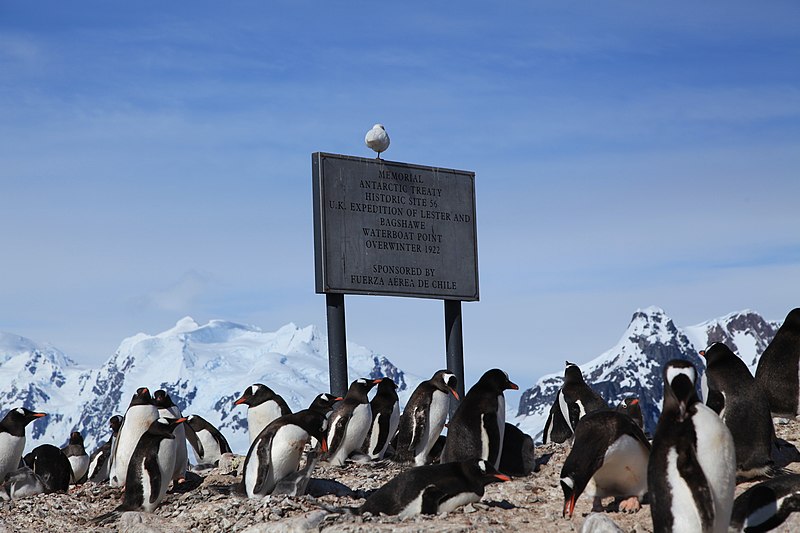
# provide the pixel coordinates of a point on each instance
(155, 163)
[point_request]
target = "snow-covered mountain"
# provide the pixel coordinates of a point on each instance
(205, 368)
(633, 366)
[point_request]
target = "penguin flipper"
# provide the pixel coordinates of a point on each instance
(339, 431)
(421, 415)
(264, 453)
(715, 400)
(194, 441)
(431, 497)
(689, 469)
(154, 472)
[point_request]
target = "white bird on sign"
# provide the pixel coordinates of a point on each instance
(377, 139)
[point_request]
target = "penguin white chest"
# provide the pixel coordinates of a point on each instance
(624, 470)
(686, 519)
(11, 449)
(260, 416)
(137, 419)
(210, 445)
(437, 415)
(717, 457)
(287, 447)
(358, 427)
(79, 464)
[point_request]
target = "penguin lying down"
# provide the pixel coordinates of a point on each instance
(46, 469)
(432, 489)
(765, 506)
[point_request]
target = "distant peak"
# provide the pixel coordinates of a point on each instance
(184, 325)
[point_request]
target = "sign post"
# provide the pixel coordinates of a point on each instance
(393, 229)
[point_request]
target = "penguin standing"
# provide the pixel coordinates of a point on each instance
(206, 440)
(765, 506)
(778, 370)
(12, 437)
(691, 476)
(573, 401)
(78, 458)
(349, 422)
(631, 407)
(608, 458)
(324, 402)
(51, 466)
(478, 425)
(151, 466)
(424, 416)
(168, 409)
(745, 410)
(276, 452)
(263, 406)
(101, 457)
(433, 489)
(385, 407)
(140, 415)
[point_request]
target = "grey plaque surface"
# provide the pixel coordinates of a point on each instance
(398, 229)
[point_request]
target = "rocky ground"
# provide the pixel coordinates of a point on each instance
(208, 502)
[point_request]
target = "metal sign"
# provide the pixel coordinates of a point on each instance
(394, 229)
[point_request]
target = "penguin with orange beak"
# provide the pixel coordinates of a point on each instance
(12, 437)
(350, 421)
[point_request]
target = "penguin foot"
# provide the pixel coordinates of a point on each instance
(597, 505)
(630, 505)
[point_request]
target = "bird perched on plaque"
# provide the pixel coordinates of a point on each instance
(377, 139)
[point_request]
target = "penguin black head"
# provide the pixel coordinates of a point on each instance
(142, 397)
(446, 381)
(163, 427)
(361, 386)
(497, 380)
(16, 419)
(324, 402)
(572, 373)
(679, 385)
(716, 353)
(115, 422)
(162, 400)
(387, 386)
(255, 394)
(76, 438)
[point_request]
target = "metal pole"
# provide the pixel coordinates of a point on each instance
(337, 344)
(455, 345)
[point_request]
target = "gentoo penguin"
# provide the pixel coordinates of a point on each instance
(324, 402)
(691, 475)
(21, 483)
(575, 399)
(433, 489)
(765, 506)
(631, 407)
(151, 466)
(206, 440)
(385, 407)
(349, 422)
(12, 437)
(478, 425)
(78, 458)
(518, 458)
(745, 410)
(778, 370)
(168, 409)
(276, 453)
(424, 416)
(101, 457)
(51, 466)
(140, 415)
(556, 428)
(608, 458)
(263, 406)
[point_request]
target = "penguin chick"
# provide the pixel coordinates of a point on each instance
(424, 416)
(433, 489)
(12, 437)
(263, 406)
(477, 428)
(385, 407)
(151, 466)
(276, 452)
(608, 458)
(101, 457)
(78, 458)
(206, 440)
(349, 422)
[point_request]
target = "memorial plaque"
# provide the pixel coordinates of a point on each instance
(394, 229)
